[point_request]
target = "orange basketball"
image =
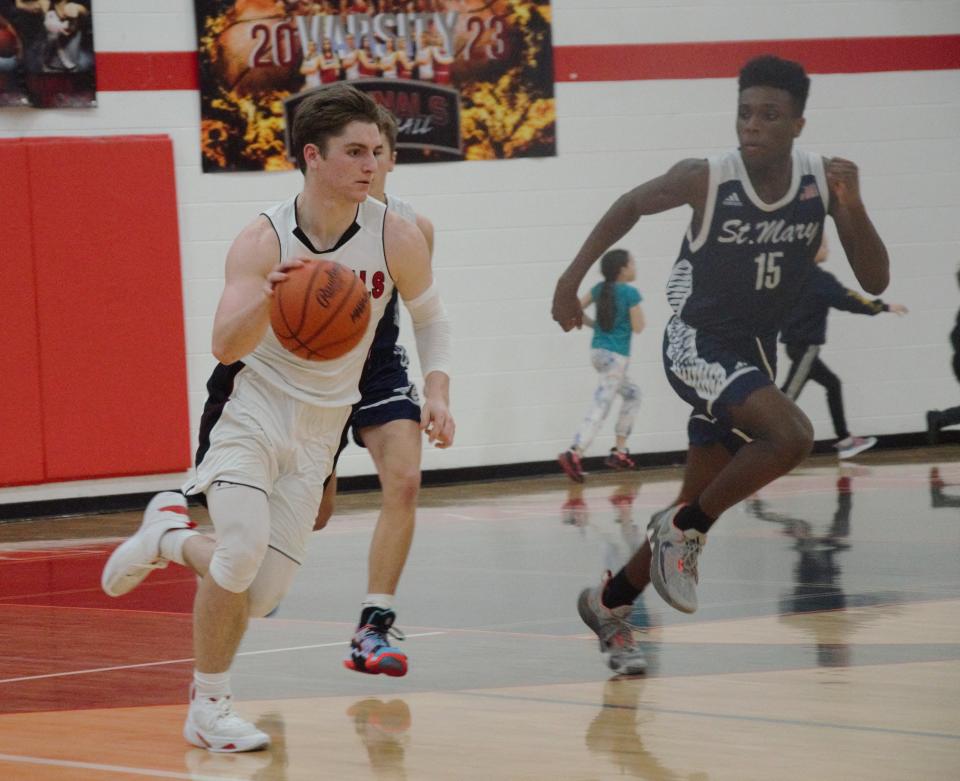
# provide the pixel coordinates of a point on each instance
(321, 311)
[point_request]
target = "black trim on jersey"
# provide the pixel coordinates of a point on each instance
(383, 237)
(348, 234)
(286, 555)
(242, 485)
(219, 389)
(277, 234)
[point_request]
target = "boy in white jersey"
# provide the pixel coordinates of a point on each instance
(757, 223)
(272, 423)
(387, 421)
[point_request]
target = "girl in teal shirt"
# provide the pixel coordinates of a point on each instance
(618, 317)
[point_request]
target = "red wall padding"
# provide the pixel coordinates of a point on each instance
(109, 306)
(21, 429)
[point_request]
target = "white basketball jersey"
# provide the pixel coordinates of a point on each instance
(402, 208)
(332, 383)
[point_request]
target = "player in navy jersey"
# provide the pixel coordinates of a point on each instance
(757, 222)
(387, 421)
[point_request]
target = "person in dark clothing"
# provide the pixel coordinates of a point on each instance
(941, 418)
(805, 332)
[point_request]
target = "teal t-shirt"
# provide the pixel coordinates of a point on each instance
(617, 339)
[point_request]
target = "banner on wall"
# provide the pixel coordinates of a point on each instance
(46, 54)
(466, 79)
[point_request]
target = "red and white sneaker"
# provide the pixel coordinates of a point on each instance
(570, 461)
(138, 556)
(619, 459)
(212, 724)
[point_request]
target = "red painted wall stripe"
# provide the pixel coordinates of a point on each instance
(718, 59)
(135, 71)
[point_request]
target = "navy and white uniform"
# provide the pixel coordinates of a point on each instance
(274, 421)
(386, 392)
(735, 281)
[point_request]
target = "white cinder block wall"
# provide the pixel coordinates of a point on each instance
(505, 230)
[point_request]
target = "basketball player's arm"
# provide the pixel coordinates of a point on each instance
(409, 260)
(637, 321)
(585, 300)
(426, 228)
(863, 245)
(684, 184)
(252, 272)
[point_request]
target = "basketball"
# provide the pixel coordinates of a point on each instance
(321, 311)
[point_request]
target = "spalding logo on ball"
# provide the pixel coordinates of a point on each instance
(321, 311)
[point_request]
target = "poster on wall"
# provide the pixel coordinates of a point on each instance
(46, 54)
(466, 79)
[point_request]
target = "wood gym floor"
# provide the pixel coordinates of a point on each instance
(827, 645)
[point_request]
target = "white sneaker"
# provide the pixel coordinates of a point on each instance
(675, 554)
(851, 446)
(212, 724)
(135, 558)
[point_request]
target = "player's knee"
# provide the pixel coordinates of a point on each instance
(234, 567)
(401, 483)
(263, 603)
(796, 440)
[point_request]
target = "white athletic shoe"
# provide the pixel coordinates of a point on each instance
(853, 446)
(212, 724)
(135, 558)
(673, 566)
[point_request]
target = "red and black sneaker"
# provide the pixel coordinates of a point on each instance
(619, 459)
(570, 461)
(370, 649)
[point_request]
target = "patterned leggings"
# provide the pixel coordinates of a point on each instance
(612, 368)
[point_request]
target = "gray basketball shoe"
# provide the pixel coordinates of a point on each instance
(613, 630)
(674, 556)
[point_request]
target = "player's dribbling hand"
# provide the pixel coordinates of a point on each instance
(437, 423)
(566, 306)
(843, 179)
(897, 309)
(279, 273)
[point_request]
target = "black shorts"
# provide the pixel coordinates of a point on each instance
(386, 394)
(713, 374)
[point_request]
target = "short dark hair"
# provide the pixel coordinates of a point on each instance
(771, 71)
(324, 114)
(388, 126)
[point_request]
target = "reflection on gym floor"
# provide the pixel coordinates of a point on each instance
(827, 643)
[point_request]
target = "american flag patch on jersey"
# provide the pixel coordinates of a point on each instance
(809, 191)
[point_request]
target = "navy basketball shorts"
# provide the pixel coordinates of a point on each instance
(713, 374)
(386, 394)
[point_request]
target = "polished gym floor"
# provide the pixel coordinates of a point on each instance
(827, 644)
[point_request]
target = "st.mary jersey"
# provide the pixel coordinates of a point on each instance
(335, 382)
(740, 276)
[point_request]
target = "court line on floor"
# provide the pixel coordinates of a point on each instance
(113, 768)
(189, 659)
(723, 716)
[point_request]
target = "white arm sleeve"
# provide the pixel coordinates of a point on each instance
(431, 328)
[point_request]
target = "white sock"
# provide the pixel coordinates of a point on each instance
(211, 684)
(384, 601)
(171, 544)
